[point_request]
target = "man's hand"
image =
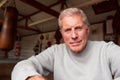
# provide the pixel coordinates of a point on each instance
(36, 77)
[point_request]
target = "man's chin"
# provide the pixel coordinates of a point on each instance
(76, 50)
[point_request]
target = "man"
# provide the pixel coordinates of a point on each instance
(77, 58)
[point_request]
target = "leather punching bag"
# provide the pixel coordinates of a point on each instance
(8, 31)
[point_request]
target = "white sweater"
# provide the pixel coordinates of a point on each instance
(98, 61)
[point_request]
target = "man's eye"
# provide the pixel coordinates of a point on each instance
(67, 30)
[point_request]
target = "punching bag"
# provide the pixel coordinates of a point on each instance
(8, 31)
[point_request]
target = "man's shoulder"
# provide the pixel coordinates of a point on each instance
(96, 42)
(58, 46)
(100, 43)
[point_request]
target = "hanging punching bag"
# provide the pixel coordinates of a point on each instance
(8, 31)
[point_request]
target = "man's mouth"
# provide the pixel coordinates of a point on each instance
(76, 43)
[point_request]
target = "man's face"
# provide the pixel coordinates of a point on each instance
(75, 32)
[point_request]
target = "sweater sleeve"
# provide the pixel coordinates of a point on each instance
(113, 51)
(35, 65)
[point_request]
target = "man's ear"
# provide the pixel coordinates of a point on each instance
(60, 31)
(88, 30)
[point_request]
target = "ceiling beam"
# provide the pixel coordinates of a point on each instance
(63, 4)
(2, 2)
(41, 7)
(56, 3)
(40, 21)
(89, 2)
(29, 28)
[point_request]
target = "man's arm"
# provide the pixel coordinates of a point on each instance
(36, 65)
(25, 69)
(114, 58)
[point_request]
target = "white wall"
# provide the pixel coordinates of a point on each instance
(28, 43)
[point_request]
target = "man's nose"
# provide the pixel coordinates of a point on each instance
(74, 34)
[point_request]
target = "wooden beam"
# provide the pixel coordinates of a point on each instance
(40, 21)
(56, 3)
(2, 2)
(29, 28)
(41, 7)
(63, 4)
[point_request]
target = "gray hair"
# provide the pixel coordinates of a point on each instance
(72, 11)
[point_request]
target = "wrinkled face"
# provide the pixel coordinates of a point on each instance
(75, 32)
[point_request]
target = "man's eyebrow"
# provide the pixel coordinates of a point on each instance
(80, 25)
